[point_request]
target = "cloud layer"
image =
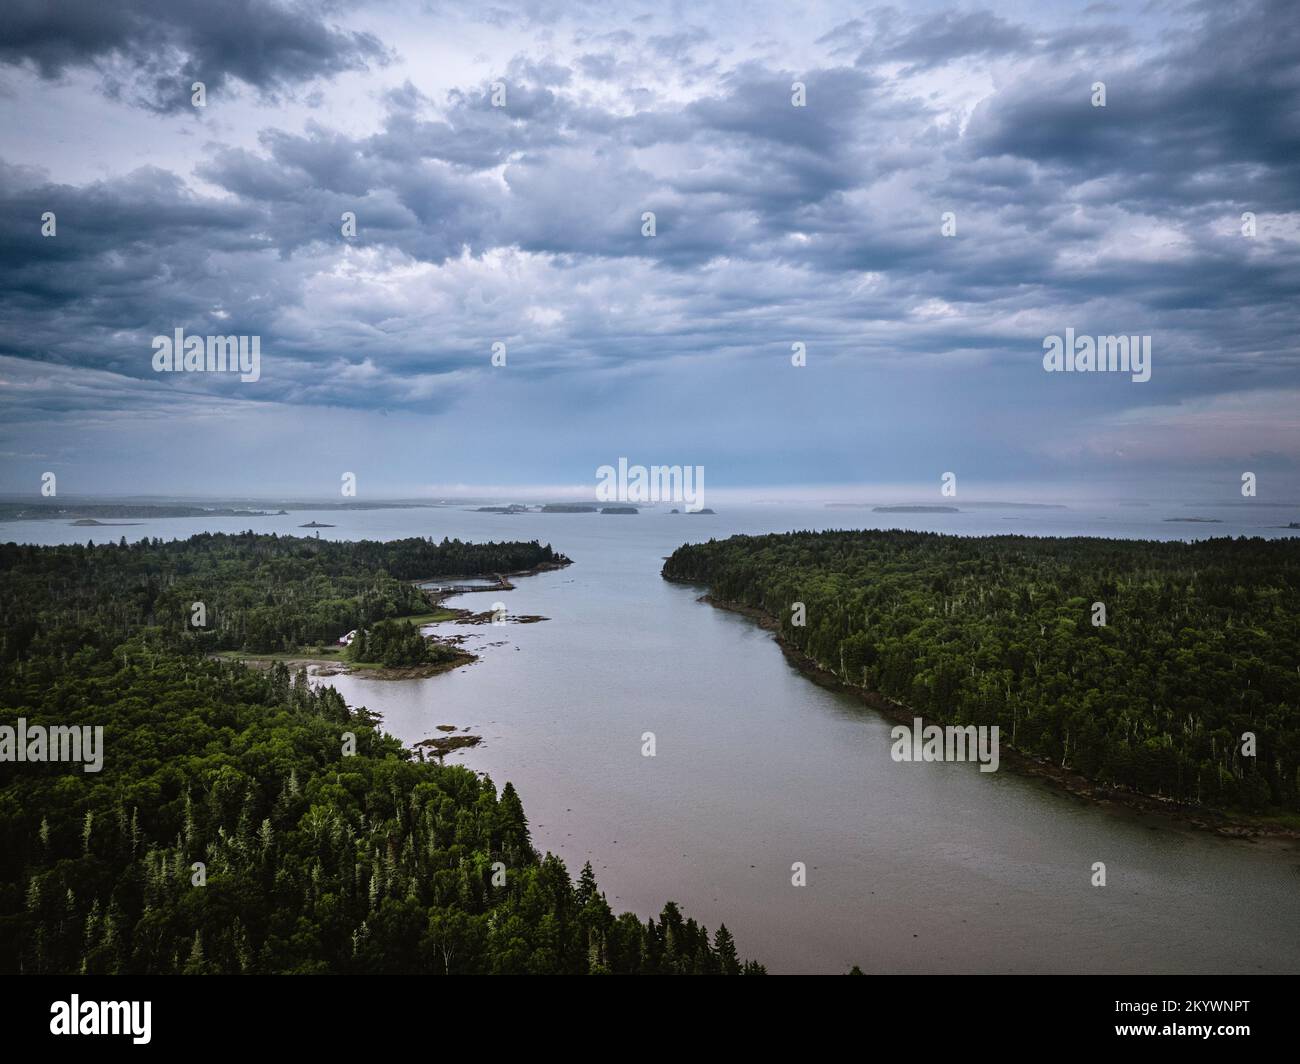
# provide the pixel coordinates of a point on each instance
(523, 224)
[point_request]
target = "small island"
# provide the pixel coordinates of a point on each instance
(569, 508)
(315, 524)
(915, 510)
(1196, 520)
(620, 510)
(442, 746)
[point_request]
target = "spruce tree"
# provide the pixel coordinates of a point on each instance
(724, 946)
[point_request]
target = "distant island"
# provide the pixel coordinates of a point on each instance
(915, 510)
(1015, 506)
(109, 511)
(620, 510)
(315, 524)
(569, 508)
(940, 509)
(513, 508)
(12, 509)
(1196, 520)
(103, 524)
(706, 510)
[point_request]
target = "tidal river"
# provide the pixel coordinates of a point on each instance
(911, 867)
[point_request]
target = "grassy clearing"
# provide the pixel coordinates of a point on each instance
(429, 618)
(310, 655)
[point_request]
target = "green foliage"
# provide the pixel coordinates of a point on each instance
(1200, 644)
(395, 644)
(261, 593)
(314, 860)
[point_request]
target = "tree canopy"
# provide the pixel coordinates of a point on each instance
(246, 821)
(260, 593)
(1199, 644)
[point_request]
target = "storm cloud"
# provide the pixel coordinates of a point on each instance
(149, 52)
(948, 196)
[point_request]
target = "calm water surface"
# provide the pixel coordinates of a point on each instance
(911, 867)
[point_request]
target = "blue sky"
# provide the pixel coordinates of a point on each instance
(775, 224)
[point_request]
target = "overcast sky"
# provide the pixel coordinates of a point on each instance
(775, 224)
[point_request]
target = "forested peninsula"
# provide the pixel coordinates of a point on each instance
(243, 821)
(259, 593)
(1196, 644)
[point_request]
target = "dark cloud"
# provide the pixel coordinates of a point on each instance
(888, 35)
(950, 35)
(1216, 117)
(822, 223)
(151, 51)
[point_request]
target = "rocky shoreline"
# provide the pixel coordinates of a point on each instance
(337, 666)
(328, 666)
(464, 616)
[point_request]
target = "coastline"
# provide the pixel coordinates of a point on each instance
(331, 665)
(464, 616)
(1230, 826)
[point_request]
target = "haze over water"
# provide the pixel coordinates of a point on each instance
(911, 867)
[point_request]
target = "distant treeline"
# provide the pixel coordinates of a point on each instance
(1201, 644)
(53, 511)
(48, 511)
(259, 593)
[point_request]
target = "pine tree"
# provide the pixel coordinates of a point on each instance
(586, 889)
(196, 965)
(513, 824)
(725, 948)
